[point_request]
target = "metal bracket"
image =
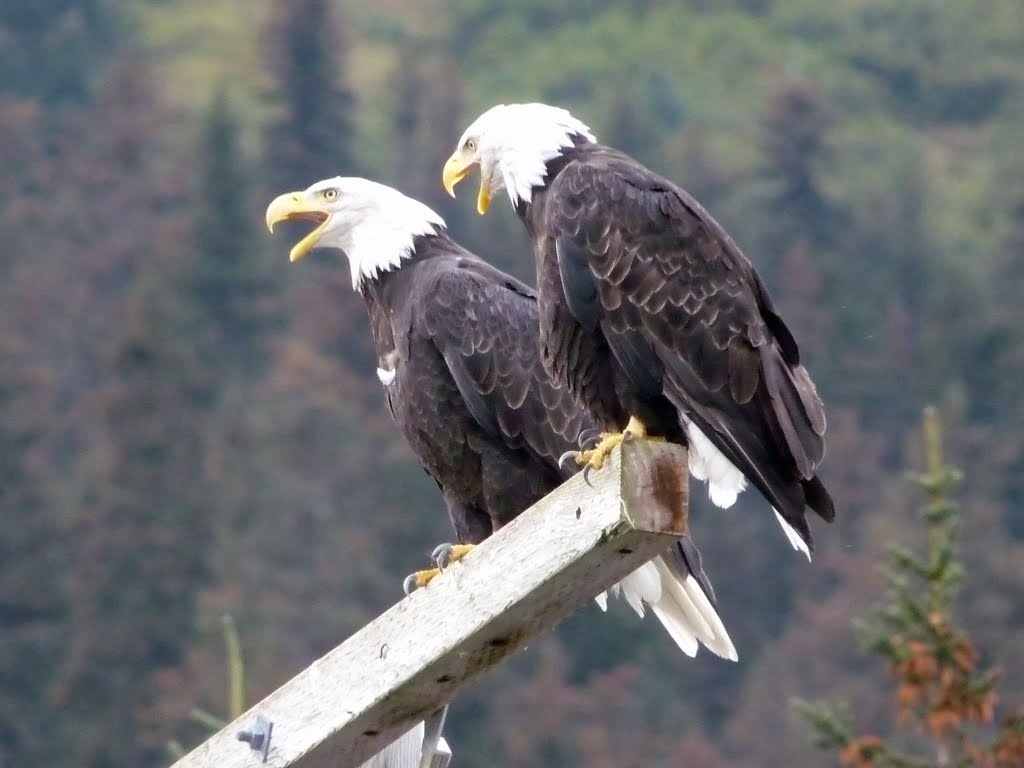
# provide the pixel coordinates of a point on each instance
(258, 737)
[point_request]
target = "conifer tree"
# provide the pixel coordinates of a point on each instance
(141, 537)
(137, 528)
(312, 135)
(52, 51)
(795, 145)
(410, 86)
(227, 275)
(944, 697)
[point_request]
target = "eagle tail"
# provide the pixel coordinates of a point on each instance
(680, 604)
(819, 499)
(794, 536)
(725, 481)
(796, 409)
(773, 442)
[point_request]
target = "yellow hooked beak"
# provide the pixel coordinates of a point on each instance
(455, 170)
(293, 206)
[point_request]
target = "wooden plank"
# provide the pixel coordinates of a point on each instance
(552, 560)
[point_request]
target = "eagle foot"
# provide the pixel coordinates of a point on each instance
(589, 438)
(593, 458)
(446, 554)
(443, 556)
(419, 579)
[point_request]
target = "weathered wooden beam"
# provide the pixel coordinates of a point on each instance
(400, 668)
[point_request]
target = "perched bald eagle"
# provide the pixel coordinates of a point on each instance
(456, 342)
(650, 313)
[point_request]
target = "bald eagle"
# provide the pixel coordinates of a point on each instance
(456, 342)
(650, 313)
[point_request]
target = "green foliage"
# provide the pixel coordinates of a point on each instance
(940, 689)
(795, 146)
(54, 50)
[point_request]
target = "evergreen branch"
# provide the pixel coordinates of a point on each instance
(933, 662)
(832, 727)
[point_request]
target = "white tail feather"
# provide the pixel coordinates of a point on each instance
(725, 482)
(794, 538)
(716, 638)
(686, 641)
(642, 586)
(680, 605)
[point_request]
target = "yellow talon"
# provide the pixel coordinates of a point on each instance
(425, 577)
(595, 457)
(419, 579)
(446, 554)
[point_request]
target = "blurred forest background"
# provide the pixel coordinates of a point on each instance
(190, 426)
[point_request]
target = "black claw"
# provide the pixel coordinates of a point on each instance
(586, 474)
(566, 457)
(409, 585)
(442, 555)
(589, 437)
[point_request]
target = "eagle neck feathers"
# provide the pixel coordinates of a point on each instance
(377, 245)
(528, 174)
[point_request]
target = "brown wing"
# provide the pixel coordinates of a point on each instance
(692, 318)
(485, 325)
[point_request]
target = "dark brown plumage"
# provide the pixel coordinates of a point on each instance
(648, 308)
(470, 394)
(458, 355)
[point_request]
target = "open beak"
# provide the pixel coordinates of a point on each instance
(455, 170)
(298, 206)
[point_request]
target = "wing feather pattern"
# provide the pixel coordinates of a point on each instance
(580, 287)
(485, 327)
(668, 273)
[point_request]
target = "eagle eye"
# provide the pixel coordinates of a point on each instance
(470, 145)
(329, 194)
